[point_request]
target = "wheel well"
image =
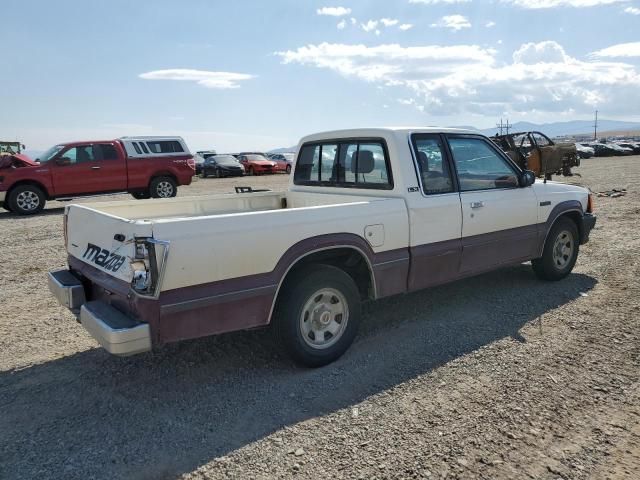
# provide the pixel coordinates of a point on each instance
(29, 182)
(575, 217)
(163, 174)
(351, 261)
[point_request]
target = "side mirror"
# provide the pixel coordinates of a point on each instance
(23, 147)
(63, 161)
(527, 178)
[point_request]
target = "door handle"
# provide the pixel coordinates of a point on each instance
(477, 204)
(95, 168)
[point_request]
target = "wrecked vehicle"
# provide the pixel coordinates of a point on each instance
(10, 148)
(537, 152)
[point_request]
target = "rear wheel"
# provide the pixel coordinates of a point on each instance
(288, 169)
(140, 195)
(560, 251)
(26, 200)
(250, 171)
(5, 205)
(218, 173)
(317, 315)
(163, 187)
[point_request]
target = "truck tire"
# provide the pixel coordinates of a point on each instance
(288, 169)
(140, 195)
(560, 251)
(317, 315)
(163, 187)
(26, 200)
(6, 206)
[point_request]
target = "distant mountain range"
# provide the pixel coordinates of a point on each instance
(555, 129)
(574, 127)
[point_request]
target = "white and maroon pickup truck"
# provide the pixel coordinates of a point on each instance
(369, 213)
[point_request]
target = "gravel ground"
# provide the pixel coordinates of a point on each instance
(498, 376)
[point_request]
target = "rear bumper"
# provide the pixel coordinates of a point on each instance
(115, 332)
(588, 222)
(118, 334)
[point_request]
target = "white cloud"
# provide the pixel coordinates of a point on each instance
(353, 21)
(468, 79)
(201, 77)
(490, 24)
(621, 50)
(333, 11)
(405, 26)
(341, 24)
(542, 52)
(370, 26)
(453, 22)
(434, 2)
(389, 22)
(538, 4)
(632, 10)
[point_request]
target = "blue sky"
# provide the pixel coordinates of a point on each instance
(237, 75)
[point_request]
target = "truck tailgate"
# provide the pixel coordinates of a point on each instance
(104, 241)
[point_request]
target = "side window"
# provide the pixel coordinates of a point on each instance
(165, 146)
(80, 154)
(144, 147)
(308, 166)
(136, 147)
(105, 151)
(433, 164)
(356, 164)
(479, 166)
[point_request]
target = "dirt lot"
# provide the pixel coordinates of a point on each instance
(499, 376)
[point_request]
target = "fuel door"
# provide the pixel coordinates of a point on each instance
(374, 235)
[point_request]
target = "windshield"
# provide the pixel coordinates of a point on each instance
(49, 154)
(225, 159)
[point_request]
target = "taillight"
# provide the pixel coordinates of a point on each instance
(192, 163)
(590, 204)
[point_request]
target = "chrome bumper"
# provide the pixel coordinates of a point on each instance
(117, 333)
(66, 287)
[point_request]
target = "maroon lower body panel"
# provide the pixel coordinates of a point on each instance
(434, 264)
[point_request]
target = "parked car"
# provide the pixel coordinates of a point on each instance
(200, 157)
(584, 152)
(634, 147)
(284, 161)
(610, 150)
(144, 166)
(537, 152)
(256, 164)
(304, 259)
(222, 166)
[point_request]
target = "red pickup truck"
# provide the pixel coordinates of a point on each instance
(146, 167)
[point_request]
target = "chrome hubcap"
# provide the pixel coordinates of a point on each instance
(324, 318)
(563, 249)
(165, 189)
(28, 201)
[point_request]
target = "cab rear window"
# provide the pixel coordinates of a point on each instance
(357, 163)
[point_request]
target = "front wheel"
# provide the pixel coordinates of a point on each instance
(560, 251)
(26, 200)
(317, 315)
(288, 169)
(163, 187)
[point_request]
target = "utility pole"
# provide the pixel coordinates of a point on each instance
(595, 128)
(504, 127)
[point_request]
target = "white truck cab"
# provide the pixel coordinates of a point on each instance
(368, 213)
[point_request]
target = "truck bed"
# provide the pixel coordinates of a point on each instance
(218, 237)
